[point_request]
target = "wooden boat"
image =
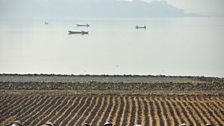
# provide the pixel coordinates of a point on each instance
(78, 32)
(143, 27)
(81, 25)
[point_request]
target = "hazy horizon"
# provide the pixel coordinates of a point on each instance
(109, 8)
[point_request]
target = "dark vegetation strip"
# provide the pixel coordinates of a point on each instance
(94, 85)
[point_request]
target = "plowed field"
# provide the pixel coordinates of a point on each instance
(122, 110)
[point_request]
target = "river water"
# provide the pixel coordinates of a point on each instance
(170, 46)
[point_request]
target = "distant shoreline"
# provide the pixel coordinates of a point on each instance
(111, 75)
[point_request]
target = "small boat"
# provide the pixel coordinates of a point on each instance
(78, 32)
(81, 25)
(143, 27)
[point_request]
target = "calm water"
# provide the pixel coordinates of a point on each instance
(171, 46)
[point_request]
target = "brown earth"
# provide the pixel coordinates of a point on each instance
(123, 100)
(69, 109)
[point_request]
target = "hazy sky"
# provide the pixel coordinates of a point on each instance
(206, 7)
(199, 6)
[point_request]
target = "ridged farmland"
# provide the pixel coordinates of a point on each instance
(122, 100)
(125, 110)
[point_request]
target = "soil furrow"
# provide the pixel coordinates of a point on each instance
(68, 109)
(43, 110)
(82, 117)
(98, 112)
(90, 115)
(77, 114)
(73, 111)
(51, 110)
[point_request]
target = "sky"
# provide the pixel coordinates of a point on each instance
(68, 7)
(207, 7)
